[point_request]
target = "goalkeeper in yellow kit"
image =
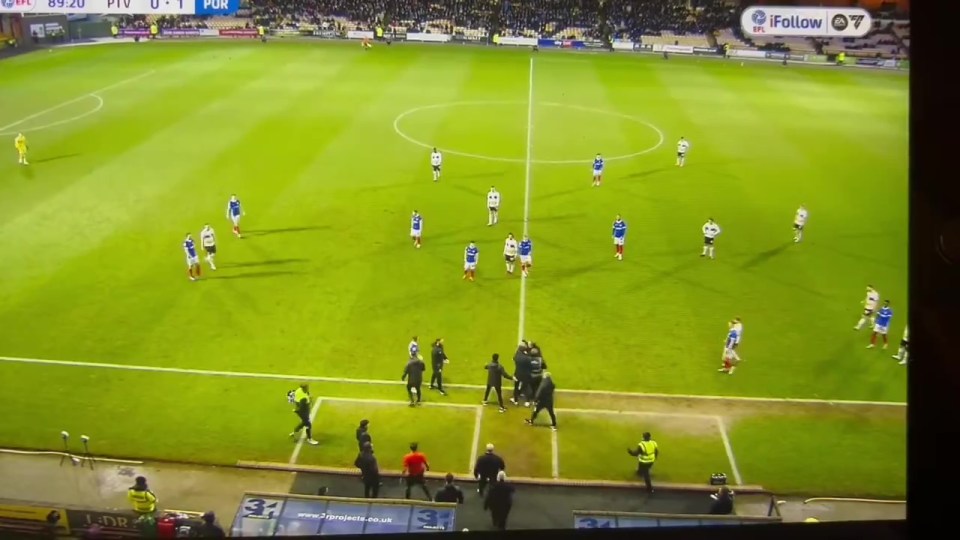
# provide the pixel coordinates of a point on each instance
(20, 143)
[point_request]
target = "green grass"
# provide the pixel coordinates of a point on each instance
(857, 456)
(326, 283)
(691, 448)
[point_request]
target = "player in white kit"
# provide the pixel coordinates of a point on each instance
(682, 146)
(493, 206)
(436, 161)
(209, 242)
(869, 307)
(510, 252)
(798, 222)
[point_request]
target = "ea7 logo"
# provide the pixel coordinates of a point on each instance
(857, 19)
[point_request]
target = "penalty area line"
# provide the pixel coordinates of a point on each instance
(383, 382)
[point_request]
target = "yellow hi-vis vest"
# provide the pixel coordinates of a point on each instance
(379, 32)
(261, 31)
(144, 502)
(648, 452)
(154, 29)
(298, 396)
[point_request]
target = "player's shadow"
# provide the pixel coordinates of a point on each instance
(639, 175)
(252, 275)
(56, 158)
(272, 262)
(266, 232)
(764, 256)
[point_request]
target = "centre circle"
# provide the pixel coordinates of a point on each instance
(410, 112)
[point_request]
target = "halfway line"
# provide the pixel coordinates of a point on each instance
(528, 163)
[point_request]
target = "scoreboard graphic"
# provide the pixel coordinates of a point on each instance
(295, 515)
(121, 7)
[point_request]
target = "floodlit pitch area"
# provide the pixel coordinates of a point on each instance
(327, 146)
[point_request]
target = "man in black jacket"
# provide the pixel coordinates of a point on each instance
(413, 374)
(487, 467)
(450, 492)
(369, 471)
(495, 376)
(521, 363)
(537, 367)
(363, 436)
(499, 501)
(438, 358)
(544, 400)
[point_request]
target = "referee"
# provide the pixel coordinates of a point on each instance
(413, 374)
(495, 376)
(301, 400)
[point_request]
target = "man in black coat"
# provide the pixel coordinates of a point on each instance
(521, 370)
(537, 367)
(544, 400)
(450, 492)
(413, 374)
(487, 468)
(369, 471)
(499, 501)
(495, 376)
(363, 436)
(438, 357)
(722, 504)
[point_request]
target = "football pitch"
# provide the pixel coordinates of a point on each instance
(327, 146)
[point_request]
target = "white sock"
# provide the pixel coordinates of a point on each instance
(711, 248)
(704, 250)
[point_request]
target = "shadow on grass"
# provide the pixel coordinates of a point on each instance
(252, 275)
(639, 175)
(765, 256)
(265, 232)
(56, 158)
(273, 262)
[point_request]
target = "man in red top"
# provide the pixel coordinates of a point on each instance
(414, 466)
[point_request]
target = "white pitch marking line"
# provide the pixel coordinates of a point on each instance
(398, 402)
(528, 164)
(76, 118)
(76, 99)
(555, 452)
(313, 416)
(721, 425)
(383, 382)
(637, 413)
(475, 447)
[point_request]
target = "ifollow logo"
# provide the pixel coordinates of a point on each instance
(805, 21)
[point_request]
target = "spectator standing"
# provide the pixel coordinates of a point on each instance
(499, 501)
(369, 471)
(544, 400)
(521, 371)
(415, 466)
(488, 466)
(722, 504)
(495, 375)
(413, 374)
(209, 528)
(143, 500)
(647, 453)
(363, 436)
(438, 358)
(450, 492)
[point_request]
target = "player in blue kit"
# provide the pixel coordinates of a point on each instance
(413, 349)
(619, 236)
(234, 211)
(193, 261)
(416, 228)
(730, 345)
(881, 325)
(526, 255)
(471, 256)
(597, 170)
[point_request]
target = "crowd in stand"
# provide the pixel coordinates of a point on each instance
(631, 19)
(547, 17)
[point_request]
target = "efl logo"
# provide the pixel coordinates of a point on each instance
(759, 19)
(16, 4)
